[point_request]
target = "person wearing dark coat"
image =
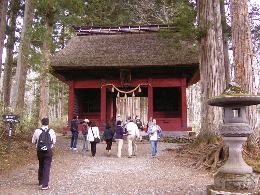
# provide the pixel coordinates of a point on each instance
(119, 134)
(108, 137)
(74, 132)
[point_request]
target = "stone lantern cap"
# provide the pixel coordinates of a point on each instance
(233, 95)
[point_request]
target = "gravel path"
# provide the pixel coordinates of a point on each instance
(78, 173)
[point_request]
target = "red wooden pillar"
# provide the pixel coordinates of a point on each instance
(109, 109)
(114, 106)
(71, 100)
(150, 99)
(183, 103)
(103, 100)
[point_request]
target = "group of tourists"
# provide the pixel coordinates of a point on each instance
(131, 130)
(90, 133)
(44, 138)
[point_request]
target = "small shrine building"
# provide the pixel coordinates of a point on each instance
(101, 64)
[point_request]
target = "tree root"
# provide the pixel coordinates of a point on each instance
(212, 155)
(205, 156)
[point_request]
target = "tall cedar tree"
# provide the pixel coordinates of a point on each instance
(212, 70)
(243, 55)
(23, 62)
(13, 12)
(3, 10)
(52, 12)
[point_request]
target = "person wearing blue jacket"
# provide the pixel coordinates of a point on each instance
(119, 134)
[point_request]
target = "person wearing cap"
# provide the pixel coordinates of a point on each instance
(44, 156)
(85, 127)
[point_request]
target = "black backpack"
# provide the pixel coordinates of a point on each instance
(44, 142)
(139, 125)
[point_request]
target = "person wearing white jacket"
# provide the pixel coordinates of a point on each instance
(154, 132)
(132, 134)
(93, 132)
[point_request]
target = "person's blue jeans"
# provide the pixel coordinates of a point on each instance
(154, 147)
(74, 139)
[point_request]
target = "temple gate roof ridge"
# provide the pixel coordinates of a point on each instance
(98, 30)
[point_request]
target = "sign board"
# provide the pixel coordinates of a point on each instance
(10, 118)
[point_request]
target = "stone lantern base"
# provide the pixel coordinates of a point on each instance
(213, 191)
(235, 184)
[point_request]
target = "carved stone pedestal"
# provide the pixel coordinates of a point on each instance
(235, 163)
(235, 177)
(212, 190)
(235, 182)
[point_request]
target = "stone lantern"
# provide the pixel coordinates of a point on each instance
(235, 175)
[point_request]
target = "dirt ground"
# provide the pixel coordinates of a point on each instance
(79, 173)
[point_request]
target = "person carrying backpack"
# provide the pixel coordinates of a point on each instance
(44, 139)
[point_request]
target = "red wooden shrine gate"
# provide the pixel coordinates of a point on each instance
(92, 63)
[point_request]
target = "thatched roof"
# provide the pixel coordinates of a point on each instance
(124, 50)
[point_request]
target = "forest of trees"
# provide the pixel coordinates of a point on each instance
(31, 31)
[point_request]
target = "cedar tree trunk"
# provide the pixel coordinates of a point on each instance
(9, 52)
(243, 55)
(44, 80)
(212, 70)
(22, 62)
(3, 9)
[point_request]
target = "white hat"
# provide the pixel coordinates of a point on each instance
(86, 120)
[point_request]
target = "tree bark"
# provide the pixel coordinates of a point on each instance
(3, 10)
(243, 55)
(225, 42)
(22, 61)
(44, 78)
(9, 53)
(212, 71)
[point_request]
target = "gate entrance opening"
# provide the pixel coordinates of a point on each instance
(132, 107)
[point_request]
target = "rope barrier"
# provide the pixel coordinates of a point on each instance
(130, 91)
